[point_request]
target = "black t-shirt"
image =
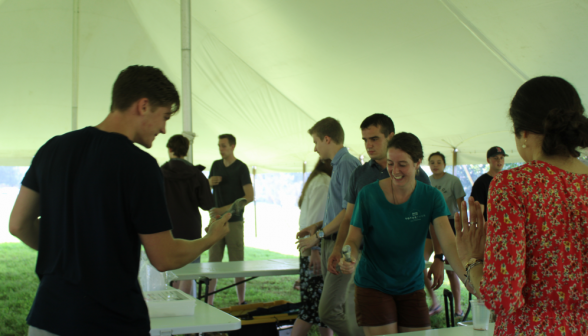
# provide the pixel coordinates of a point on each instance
(480, 191)
(98, 191)
(234, 177)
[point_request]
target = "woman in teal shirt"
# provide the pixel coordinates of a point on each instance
(392, 217)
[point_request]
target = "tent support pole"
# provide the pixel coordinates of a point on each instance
(454, 160)
(186, 16)
(75, 64)
(254, 202)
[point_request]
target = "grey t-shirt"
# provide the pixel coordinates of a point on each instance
(451, 188)
(230, 189)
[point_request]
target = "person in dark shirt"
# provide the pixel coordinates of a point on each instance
(88, 201)
(186, 189)
(230, 181)
(495, 157)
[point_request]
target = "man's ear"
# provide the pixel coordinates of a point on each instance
(389, 137)
(143, 106)
(327, 139)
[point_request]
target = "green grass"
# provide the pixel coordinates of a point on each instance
(18, 285)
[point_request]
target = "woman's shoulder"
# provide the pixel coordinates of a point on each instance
(321, 179)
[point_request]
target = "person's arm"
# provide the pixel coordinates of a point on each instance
(437, 270)
(447, 241)
(166, 253)
(203, 194)
(341, 237)
(331, 228)
(248, 190)
(354, 239)
(24, 219)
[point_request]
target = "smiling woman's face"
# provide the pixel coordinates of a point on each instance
(401, 168)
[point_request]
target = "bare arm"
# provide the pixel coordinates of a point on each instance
(167, 253)
(24, 219)
(436, 245)
(447, 241)
(354, 239)
(344, 228)
(333, 226)
(248, 189)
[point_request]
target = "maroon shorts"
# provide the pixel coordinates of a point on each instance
(374, 308)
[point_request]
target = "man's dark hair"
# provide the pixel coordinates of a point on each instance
(441, 155)
(328, 127)
(230, 137)
(378, 119)
(551, 106)
(179, 145)
(409, 143)
(138, 81)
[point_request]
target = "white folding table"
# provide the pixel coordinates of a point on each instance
(203, 272)
(206, 318)
(457, 331)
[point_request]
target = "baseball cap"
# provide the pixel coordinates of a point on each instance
(495, 151)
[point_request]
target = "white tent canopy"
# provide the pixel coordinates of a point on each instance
(267, 70)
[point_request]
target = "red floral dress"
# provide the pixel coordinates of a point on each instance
(536, 262)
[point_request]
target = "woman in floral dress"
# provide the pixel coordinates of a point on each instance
(312, 203)
(535, 258)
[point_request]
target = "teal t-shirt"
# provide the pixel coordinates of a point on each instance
(394, 237)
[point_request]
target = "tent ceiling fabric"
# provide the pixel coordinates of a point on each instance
(267, 70)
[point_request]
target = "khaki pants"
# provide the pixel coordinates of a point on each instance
(234, 243)
(337, 304)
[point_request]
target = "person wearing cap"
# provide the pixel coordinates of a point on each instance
(495, 157)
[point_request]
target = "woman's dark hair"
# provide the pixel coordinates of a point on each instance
(408, 143)
(320, 167)
(179, 145)
(441, 155)
(552, 107)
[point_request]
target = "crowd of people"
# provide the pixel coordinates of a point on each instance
(91, 198)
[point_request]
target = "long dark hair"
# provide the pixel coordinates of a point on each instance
(551, 106)
(320, 167)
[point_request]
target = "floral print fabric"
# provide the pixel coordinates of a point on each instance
(311, 288)
(536, 262)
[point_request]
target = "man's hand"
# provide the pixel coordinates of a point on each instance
(215, 180)
(219, 229)
(347, 267)
(438, 273)
(334, 261)
(309, 231)
(471, 243)
(216, 212)
(315, 262)
(306, 243)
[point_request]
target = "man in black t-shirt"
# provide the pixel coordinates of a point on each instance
(88, 201)
(230, 180)
(495, 157)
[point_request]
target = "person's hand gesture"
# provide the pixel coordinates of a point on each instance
(219, 228)
(215, 180)
(470, 235)
(334, 261)
(306, 243)
(347, 267)
(438, 272)
(308, 231)
(314, 263)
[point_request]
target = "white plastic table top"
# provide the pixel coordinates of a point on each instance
(232, 269)
(457, 331)
(206, 318)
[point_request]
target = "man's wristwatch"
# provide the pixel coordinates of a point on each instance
(320, 234)
(440, 256)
